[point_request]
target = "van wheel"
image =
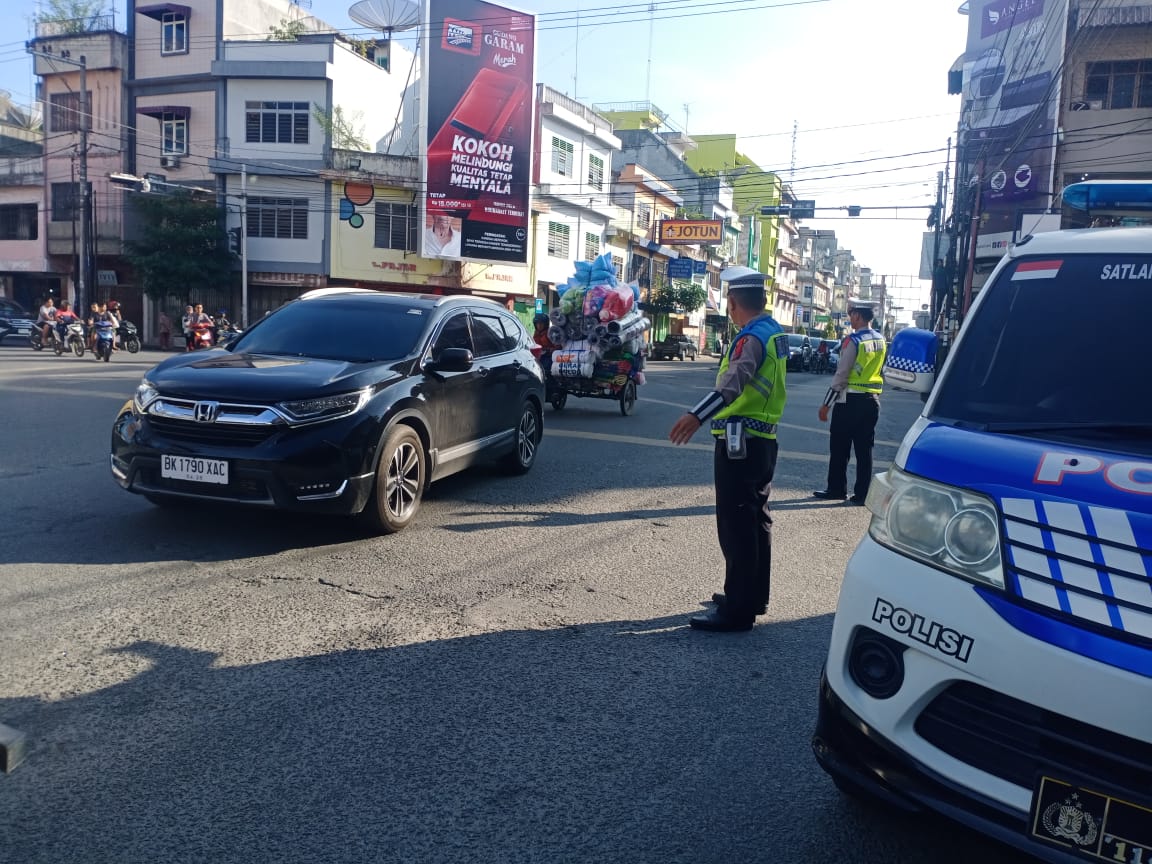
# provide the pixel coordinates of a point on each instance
(399, 485)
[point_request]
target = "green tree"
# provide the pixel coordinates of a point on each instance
(678, 297)
(287, 31)
(346, 131)
(182, 245)
(70, 16)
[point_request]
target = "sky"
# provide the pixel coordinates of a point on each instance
(846, 99)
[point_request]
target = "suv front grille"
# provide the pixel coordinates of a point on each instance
(1017, 742)
(221, 423)
(223, 434)
(1088, 564)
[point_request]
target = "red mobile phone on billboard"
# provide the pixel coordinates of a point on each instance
(488, 111)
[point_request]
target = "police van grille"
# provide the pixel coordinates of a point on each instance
(1090, 565)
(1018, 742)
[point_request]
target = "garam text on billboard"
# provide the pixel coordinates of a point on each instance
(477, 97)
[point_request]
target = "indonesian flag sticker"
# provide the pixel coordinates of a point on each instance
(1037, 269)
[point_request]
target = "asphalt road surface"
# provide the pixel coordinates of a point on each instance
(509, 680)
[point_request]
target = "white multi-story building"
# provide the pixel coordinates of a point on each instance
(573, 177)
(225, 88)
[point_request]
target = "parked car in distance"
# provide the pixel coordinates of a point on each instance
(675, 347)
(344, 401)
(799, 352)
(14, 320)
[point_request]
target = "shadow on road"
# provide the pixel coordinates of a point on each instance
(634, 741)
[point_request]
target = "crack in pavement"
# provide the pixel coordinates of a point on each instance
(358, 593)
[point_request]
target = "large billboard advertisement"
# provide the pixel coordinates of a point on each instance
(478, 99)
(1012, 68)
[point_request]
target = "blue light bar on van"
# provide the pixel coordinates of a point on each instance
(1109, 196)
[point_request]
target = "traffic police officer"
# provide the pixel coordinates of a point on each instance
(743, 409)
(855, 393)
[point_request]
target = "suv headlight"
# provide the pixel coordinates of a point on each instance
(146, 394)
(952, 529)
(326, 407)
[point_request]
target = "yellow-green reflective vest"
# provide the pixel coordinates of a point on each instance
(865, 376)
(761, 402)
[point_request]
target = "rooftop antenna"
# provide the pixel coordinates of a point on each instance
(651, 28)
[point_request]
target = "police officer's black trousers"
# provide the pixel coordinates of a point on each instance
(744, 524)
(853, 427)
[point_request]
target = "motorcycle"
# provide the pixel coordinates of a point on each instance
(105, 336)
(226, 332)
(129, 336)
(73, 339)
(201, 337)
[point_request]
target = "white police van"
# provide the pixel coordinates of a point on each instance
(991, 656)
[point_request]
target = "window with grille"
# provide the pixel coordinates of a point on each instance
(18, 222)
(618, 266)
(65, 201)
(644, 215)
(174, 33)
(558, 239)
(174, 134)
(596, 173)
(591, 246)
(396, 226)
(1120, 83)
(64, 111)
(276, 122)
(562, 156)
(278, 218)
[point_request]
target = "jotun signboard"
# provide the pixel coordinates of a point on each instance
(709, 232)
(478, 98)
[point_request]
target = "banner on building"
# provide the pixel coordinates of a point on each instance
(1012, 66)
(708, 232)
(477, 121)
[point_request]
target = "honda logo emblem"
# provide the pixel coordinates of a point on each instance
(206, 412)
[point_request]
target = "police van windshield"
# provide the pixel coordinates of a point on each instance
(1032, 359)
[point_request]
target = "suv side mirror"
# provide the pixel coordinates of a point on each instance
(451, 360)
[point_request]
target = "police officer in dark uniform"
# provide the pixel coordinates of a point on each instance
(743, 411)
(854, 400)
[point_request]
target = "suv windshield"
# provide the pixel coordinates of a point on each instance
(12, 309)
(795, 340)
(349, 328)
(1023, 365)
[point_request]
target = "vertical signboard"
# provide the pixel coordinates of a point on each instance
(1012, 69)
(478, 100)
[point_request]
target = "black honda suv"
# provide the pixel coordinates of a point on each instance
(343, 401)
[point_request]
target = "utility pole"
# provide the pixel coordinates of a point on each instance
(244, 246)
(973, 232)
(82, 286)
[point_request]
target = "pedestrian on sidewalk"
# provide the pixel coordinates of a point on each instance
(854, 402)
(743, 410)
(165, 329)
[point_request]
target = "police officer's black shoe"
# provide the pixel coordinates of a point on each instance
(719, 599)
(717, 621)
(858, 499)
(829, 496)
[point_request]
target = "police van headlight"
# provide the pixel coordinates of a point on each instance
(952, 529)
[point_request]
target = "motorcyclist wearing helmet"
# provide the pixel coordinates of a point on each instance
(64, 317)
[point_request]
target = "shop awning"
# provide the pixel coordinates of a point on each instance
(157, 11)
(158, 111)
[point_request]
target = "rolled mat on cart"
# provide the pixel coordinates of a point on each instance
(557, 335)
(558, 318)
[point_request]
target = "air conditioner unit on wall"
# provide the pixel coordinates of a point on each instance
(1087, 105)
(169, 161)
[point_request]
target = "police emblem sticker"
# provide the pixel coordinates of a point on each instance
(1096, 825)
(781, 340)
